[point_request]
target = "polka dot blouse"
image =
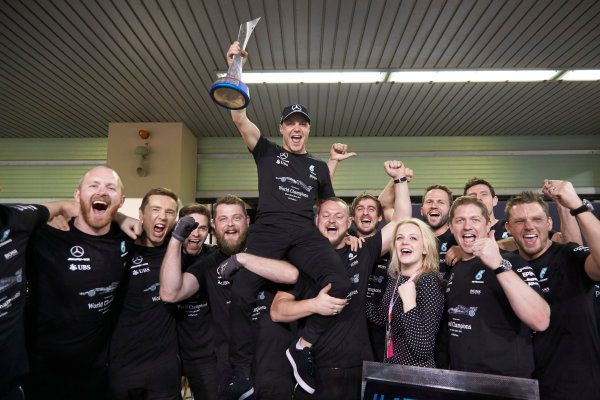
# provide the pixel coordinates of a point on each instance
(413, 332)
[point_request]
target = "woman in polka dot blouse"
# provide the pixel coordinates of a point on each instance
(412, 305)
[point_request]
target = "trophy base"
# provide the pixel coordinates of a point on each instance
(230, 93)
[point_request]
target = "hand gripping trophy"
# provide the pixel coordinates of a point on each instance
(229, 91)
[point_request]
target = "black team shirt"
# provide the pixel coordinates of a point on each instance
(74, 279)
(288, 184)
(145, 335)
(273, 338)
(17, 223)
(444, 242)
(194, 325)
(343, 344)
(219, 295)
(499, 229)
(567, 354)
(377, 284)
(485, 335)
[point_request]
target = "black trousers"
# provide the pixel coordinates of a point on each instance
(202, 377)
(334, 383)
(61, 382)
(156, 380)
(311, 253)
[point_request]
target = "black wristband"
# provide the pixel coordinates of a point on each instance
(398, 180)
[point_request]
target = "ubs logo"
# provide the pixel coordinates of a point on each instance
(77, 251)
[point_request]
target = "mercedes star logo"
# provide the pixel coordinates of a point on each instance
(77, 251)
(296, 107)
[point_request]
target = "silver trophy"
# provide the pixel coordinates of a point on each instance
(229, 91)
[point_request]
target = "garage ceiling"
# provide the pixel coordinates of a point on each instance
(69, 67)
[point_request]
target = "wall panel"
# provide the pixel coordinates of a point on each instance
(50, 168)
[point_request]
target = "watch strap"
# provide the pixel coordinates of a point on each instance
(505, 265)
(586, 206)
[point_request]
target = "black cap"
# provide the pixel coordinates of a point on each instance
(293, 109)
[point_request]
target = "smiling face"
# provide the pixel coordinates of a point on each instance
(436, 208)
(158, 218)
(482, 192)
(230, 226)
(366, 217)
(193, 244)
(529, 225)
(467, 225)
(409, 246)
(333, 222)
(295, 130)
(100, 195)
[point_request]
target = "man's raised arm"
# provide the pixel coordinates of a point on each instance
(175, 285)
(402, 207)
(250, 132)
(565, 194)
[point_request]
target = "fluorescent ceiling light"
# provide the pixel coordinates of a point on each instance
(473, 76)
(581, 75)
(314, 77)
(410, 76)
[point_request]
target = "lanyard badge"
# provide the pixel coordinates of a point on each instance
(389, 342)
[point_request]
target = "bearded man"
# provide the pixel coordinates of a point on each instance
(230, 226)
(74, 276)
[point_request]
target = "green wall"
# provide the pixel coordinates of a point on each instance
(50, 168)
(46, 168)
(512, 164)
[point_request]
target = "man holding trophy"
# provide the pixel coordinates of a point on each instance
(290, 181)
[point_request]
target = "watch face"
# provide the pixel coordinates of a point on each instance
(505, 265)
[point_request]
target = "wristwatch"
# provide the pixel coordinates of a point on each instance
(398, 180)
(505, 265)
(586, 206)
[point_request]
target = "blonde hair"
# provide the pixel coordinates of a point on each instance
(430, 258)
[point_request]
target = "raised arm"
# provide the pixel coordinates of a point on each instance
(387, 198)
(338, 152)
(569, 229)
(175, 285)
(250, 132)
(526, 303)
(590, 225)
(402, 207)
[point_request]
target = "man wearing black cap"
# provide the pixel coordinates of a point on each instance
(290, 181)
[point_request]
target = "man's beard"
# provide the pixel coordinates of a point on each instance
(365, 233)
(231, 247)
(443, 222)
(97, 222)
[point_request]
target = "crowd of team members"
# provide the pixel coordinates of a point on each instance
(291, 305)
(97, 298)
